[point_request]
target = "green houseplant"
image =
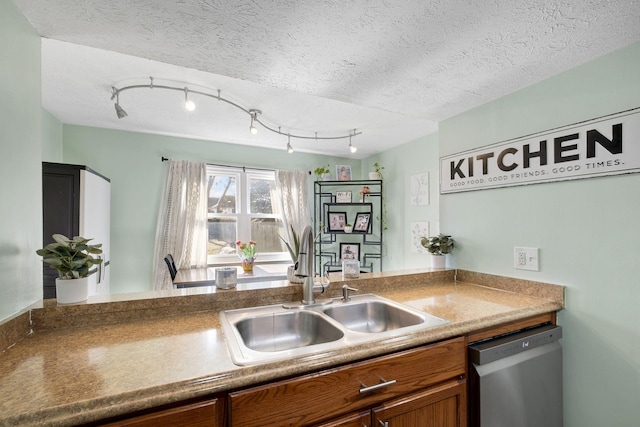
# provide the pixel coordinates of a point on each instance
(438, 246)
(74, 260)
(323, 173)
(293, 247)
(377, 173)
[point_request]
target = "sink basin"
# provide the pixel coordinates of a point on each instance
(275, 332)
(287, 330)
(373, 316)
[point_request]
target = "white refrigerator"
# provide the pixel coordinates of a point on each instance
(76, 201)
(95, 223)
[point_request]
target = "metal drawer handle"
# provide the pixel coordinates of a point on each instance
(383, 383)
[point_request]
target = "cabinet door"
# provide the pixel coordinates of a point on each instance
(361, 419)
(442, 406)
(209, 413)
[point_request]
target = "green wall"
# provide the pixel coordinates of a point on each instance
(51, 138)
(132, 162)
(20, 141)
(587, 232)
(400, 163)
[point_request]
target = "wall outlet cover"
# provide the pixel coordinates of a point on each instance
(526, 258)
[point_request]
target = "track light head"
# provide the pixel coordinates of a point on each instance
(189, 105)
(352, 147)
(119, 110)
(252, 128)
(289, 147)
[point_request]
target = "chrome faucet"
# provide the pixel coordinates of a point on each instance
(304, 265)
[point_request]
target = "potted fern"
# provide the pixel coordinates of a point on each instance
(438, 246)
(74, 260)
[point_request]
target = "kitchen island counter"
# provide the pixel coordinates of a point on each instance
(103, 358)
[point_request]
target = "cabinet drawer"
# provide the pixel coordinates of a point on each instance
(314, 397)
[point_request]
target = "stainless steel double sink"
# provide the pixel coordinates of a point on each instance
(270, 333)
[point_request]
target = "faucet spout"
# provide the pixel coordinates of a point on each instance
(305, 265)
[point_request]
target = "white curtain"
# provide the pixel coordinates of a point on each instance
(293, 194)
(182, 221)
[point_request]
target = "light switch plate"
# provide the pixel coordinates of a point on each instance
(526, 258)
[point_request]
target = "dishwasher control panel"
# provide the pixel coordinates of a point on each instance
(497, 348)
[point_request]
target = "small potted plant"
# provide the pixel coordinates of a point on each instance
(348, 228)
(438, 246)
(73, 259)
(293, 247)
(377, 174)
(323, 173)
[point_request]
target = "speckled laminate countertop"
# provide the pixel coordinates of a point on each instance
(92, 361)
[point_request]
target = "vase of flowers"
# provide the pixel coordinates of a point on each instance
(247, 253)
(364, 192)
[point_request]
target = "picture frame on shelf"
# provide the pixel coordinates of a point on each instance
(362, 222)
(350, 251)
(343, 172)
(343, 197)
(337, 221)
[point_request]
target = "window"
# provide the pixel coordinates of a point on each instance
(242, 206)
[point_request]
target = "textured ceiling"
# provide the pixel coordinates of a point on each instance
(391, 69)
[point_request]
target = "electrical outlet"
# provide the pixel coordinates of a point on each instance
(526, 258)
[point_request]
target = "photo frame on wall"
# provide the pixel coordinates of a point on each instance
(343, 172)
(350, 251)
(337, 221)
(362, 222)
(343, 197)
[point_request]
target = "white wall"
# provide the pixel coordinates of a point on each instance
(20, 167)
(588, 232)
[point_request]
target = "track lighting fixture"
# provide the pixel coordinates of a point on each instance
(189, 105)
(119, 110)
(289, 147)
(253, 113)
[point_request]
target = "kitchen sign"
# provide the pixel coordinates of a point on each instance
(607, 145)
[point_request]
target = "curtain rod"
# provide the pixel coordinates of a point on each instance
(244, 168)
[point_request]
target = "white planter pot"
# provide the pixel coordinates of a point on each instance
(326, 177)
(438, 261)
(291, 275)
(348, 229)
(375, 175)
(70, 291)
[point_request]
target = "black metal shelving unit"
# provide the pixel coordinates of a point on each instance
(327, 244)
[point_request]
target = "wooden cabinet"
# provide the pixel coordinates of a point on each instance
(359, 419)
(441, 406)
(349, 390)
(208, 413)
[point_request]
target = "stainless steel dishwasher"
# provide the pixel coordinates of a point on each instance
(516, 380)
